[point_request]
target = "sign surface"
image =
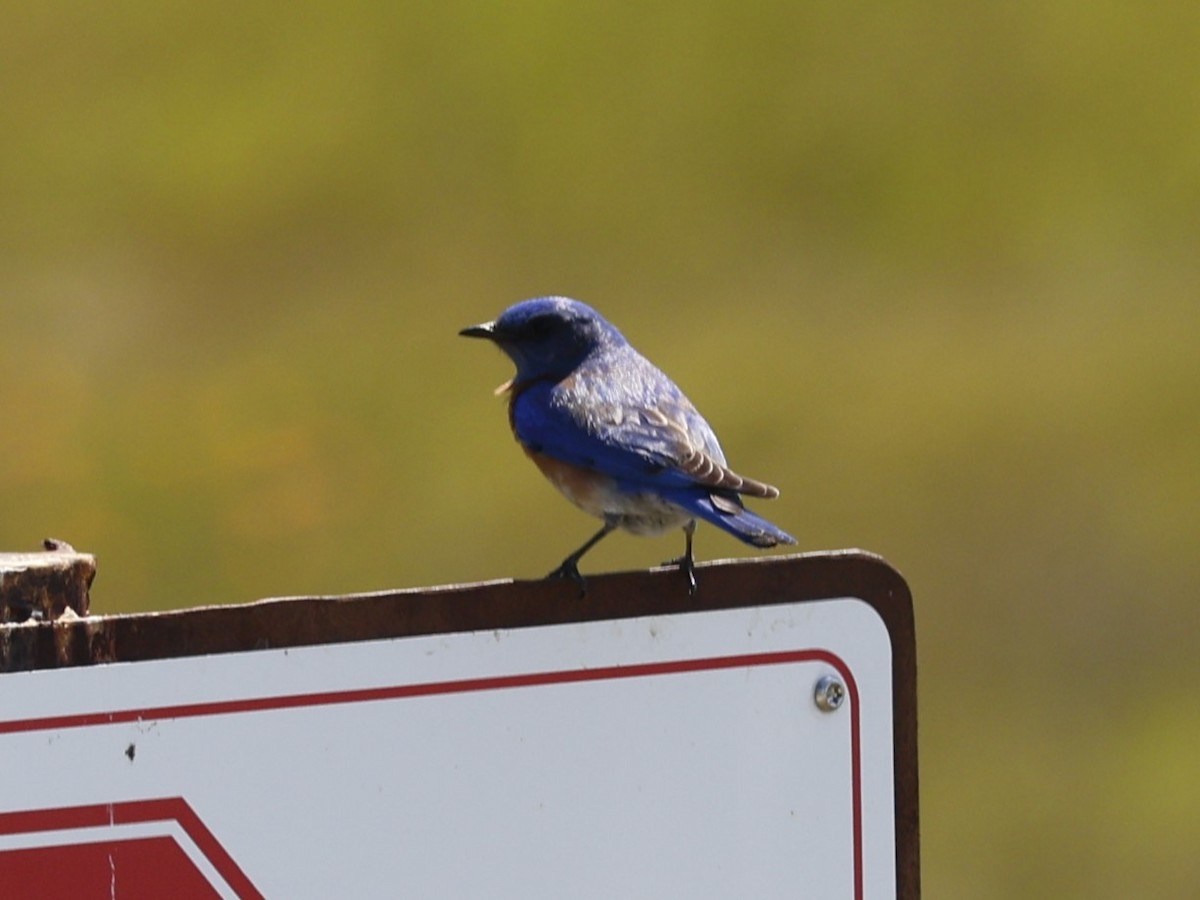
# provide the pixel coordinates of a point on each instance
(682, 754)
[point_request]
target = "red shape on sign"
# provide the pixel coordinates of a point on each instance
(137, 869)
(62, 866)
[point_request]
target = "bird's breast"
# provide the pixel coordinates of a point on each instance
(589, 490)
(642, 512)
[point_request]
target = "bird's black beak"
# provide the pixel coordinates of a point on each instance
(486, 330)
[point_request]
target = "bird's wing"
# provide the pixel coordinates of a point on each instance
(640, 430)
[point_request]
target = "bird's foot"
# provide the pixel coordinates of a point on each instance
(570, 569)
(688, 567)
(570, 565)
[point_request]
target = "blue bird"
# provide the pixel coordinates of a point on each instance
(615, 434)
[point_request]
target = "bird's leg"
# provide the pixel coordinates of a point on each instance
(570, 565)
(687, 563)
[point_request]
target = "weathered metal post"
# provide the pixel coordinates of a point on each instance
(44, 585)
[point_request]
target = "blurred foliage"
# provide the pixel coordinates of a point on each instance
(931, 268)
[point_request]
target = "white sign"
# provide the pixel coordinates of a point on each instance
(665, 756)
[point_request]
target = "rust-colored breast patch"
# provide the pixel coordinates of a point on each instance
(586, 489)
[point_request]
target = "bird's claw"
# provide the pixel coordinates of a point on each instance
(689, 572)
(570, 570)
(688, 567)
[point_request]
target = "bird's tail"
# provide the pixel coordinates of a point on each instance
(727, 513)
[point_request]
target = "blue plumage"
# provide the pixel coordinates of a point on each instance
(614, 433)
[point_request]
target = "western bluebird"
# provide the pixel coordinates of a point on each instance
(615, 434)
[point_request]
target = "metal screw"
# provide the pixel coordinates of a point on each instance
(829, 693)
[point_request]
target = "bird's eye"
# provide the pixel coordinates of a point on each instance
(542, 326)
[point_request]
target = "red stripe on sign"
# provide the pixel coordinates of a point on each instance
(469, 685)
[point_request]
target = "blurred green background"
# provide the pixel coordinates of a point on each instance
(930, 268)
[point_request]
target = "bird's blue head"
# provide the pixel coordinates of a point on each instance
(547, 336)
